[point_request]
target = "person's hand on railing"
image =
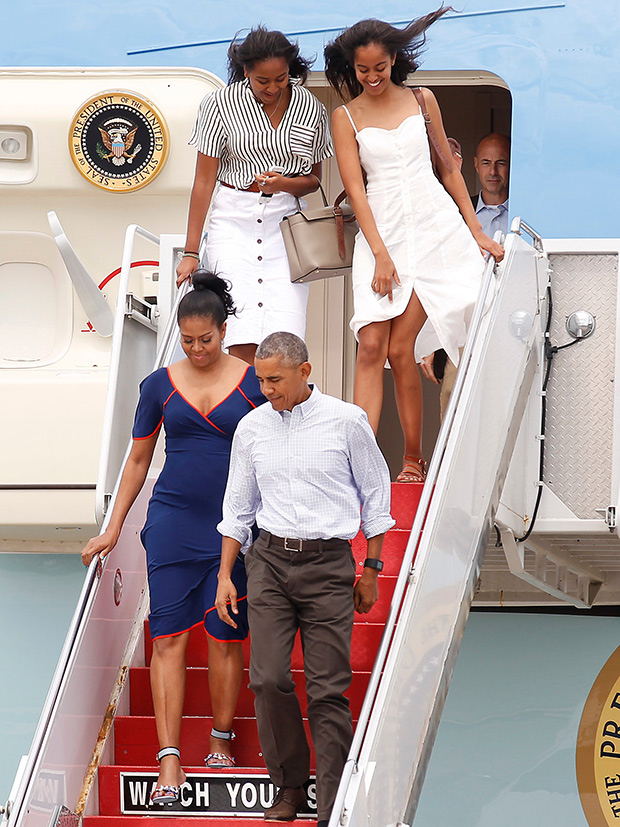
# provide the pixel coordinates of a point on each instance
(187, 266)
(487, 245)
(101, 545)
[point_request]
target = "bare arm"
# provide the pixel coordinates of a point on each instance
(453, 181)
(366, 592)
(205, 179)
(135, 472)
(299, 186)
(226, 591)
(350, 168)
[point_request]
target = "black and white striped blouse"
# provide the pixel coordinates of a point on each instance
(232, 126)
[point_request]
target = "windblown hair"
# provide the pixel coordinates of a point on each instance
(405, 44)
(288, 347)
(209, 299)
(261, 44)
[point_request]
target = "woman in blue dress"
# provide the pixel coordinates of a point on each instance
(199, 401)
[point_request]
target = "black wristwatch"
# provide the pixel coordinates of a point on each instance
(373, 563)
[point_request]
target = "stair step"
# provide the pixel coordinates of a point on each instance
(405, 501)
(135, 741)
(392, 553)
(364, 644)
(198, 700)
(124, 791)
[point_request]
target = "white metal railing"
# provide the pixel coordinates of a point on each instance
(109, 458)
(358, 802)
(82, 686)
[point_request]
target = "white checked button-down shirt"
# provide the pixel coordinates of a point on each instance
(306, 473)
(492, 217)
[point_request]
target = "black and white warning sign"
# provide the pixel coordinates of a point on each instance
(208, 794)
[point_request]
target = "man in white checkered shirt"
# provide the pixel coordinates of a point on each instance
(303, 468)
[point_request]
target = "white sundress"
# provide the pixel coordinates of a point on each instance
(432, 248)
(245, 246)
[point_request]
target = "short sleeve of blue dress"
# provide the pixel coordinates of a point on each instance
(180, 537)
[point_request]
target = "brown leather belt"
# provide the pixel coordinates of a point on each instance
(252, 188)
(293, 544)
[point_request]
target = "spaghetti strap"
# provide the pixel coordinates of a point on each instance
(350, 118)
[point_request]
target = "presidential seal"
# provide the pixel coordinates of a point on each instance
(119, 141)
(598, 748)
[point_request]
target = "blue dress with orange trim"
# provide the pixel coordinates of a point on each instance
(180, 537)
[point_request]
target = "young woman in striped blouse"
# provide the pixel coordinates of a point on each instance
(262, 139)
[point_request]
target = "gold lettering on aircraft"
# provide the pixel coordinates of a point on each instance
(598, 748)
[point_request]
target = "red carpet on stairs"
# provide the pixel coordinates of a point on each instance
(124, 787)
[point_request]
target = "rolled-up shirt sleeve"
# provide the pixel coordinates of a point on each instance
(209, 135)
(372, 478)
(242, 496)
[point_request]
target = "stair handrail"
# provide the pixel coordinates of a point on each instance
(480, 310)
(89, 588)
(131, 233)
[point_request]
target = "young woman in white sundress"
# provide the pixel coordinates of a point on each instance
(418, 260)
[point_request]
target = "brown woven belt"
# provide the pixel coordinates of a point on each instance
(294, 544)
(252, 188)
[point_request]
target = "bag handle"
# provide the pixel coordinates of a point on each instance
(338, 215)
(417, 91)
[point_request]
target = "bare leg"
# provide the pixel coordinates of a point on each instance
(225, 678)
(245, 352)
(168, 688)
(407, 384)
(371, 355)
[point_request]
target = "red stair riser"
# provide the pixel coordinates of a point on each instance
(197, 699)
(135, 741)
(364, 645)
(109, 784)
(392, 554)
(405, 500)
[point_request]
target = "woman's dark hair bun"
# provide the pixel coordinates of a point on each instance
(210, 298)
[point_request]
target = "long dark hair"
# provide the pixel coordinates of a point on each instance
(209, 299)
(404, 44)
(261, 44)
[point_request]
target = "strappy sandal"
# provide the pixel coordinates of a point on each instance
(219, 760)
(166, 793)
(418, 472)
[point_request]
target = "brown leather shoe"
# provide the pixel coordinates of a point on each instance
(286, 803)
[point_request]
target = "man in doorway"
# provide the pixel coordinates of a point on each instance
(302, 467)
(492, 163)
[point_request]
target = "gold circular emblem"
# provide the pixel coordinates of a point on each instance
(598, 748)
(119, 141)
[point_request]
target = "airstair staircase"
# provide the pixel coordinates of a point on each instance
(96, 736)
(125, 785)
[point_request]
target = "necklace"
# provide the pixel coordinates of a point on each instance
(275, 109)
